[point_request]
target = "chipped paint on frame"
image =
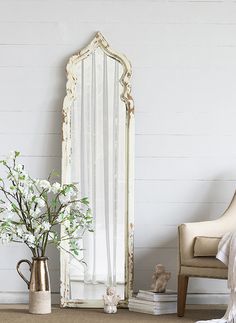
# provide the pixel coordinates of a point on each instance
(99, 41)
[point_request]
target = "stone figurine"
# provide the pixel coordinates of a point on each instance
(110, 300)
(160, 279)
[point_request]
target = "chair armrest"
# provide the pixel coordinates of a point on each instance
(188, 232)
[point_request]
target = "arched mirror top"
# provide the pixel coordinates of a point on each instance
(98, 42)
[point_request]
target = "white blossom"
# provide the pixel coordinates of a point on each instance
(4, 238)
(64, 198)
(27, 220)
(8, 216)
(61, 217)
(29, 238)
(72, 192)
(11, 156)
(46, 226)
(40, 202)
(66, 210)
(20, 230)
(35, 226)
(29, 196)
(44, 184)
(19, 167)
(67, 223)
(8, 207)
(56, 187)
(33, 213)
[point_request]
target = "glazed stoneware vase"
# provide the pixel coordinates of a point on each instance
(39, 285)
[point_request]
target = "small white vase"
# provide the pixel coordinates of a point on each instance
(110, 309)
(40, 302)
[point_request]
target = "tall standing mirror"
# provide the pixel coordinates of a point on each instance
(97, 153)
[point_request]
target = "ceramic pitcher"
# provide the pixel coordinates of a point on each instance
(39, 285)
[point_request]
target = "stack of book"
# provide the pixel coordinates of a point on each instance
(154, 303)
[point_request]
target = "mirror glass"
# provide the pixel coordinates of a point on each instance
(97, 145)
(98, 165)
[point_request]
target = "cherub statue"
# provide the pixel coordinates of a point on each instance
(160, 278)
(110, 300)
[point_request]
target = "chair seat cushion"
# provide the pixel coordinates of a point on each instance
(206, 246)
(221, 272)
(204, 262)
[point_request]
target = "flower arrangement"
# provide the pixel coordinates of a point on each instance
(31, 209)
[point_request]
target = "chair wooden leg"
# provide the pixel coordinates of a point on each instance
(182, 292)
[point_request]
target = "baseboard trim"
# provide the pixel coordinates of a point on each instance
(207, 299)
(22, 298)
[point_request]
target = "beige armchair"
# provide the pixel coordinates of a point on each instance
(197, 250)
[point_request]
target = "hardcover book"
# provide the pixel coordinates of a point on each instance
(168, 296)
(153, 303)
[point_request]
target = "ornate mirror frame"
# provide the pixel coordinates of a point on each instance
(99, 41)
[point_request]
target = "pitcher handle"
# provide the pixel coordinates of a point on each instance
(20, 273)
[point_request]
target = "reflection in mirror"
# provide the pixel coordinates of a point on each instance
(98, 164)
(97, 155)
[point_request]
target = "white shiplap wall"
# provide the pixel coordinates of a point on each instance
(184, 75)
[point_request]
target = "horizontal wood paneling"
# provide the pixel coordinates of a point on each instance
(29, 32)
(190, 121)
(147, 213)
(55, 32)
(30, 122)
(37, 56)
(161, 57)
(48, 99)
(41, 166)
(184, 74)
(48, 145)
(22, 297)
(163, 236)
(110, 11)
(196, 286)
(147, 258)
(11, 282)
(183, 191)
(184, 146)
(16, 251)
(196, 168)
(31, 77)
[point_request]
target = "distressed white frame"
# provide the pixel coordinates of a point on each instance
(99, 41)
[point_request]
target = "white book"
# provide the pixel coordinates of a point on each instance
(152, 307)
(153, 312)
(151, 304)
(168, 296)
